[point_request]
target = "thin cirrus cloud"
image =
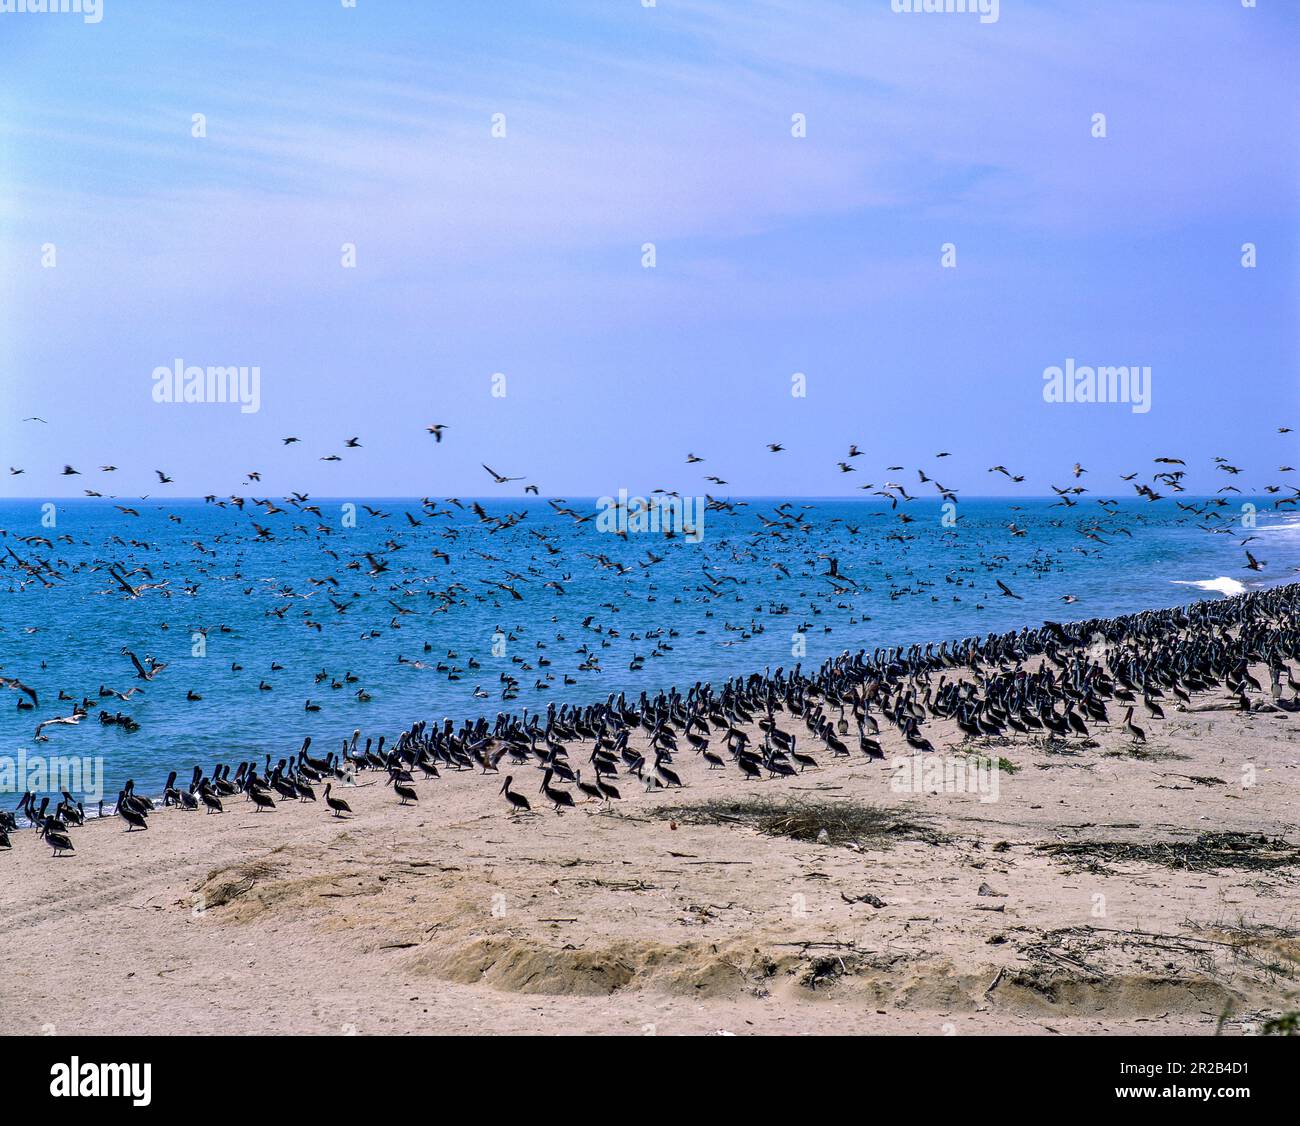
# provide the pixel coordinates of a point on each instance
(629, 125)
(688, 143)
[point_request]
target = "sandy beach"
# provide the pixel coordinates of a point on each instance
(1022, 914)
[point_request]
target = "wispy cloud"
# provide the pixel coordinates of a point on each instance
(627, 125)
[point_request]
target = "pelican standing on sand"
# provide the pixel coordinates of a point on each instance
(562, 798)
(403, 791)
(519, 803)
(60, 842)
(134, 818)
(337, 805)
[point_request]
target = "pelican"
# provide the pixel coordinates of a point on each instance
(337, 805)
(59, 842)
(134, 820)
(518, 802)
(406, 793)
(562, 798)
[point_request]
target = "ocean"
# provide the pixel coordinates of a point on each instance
(239, 600)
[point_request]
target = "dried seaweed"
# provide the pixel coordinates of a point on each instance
(1210, 851)
(841, 822)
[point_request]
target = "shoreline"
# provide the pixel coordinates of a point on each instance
(1070, 627)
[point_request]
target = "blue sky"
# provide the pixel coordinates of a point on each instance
(627, 125)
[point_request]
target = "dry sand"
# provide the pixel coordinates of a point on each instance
(455, 917)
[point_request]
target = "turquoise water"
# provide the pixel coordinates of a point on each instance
(728, 607)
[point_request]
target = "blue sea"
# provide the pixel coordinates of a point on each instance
(231, 607)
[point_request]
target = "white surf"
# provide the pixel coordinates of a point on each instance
(1223, 585)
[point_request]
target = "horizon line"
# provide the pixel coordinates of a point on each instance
(875, 499)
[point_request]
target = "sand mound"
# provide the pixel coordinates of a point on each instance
(223, 886)
(245, 891)
(519, 966)
(1036, 989)
(515, 965)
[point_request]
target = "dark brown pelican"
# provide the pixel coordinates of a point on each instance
(128, 813)
(403, 791)
(338, 805)
(562, 798)
(57, 841)
(517, 801)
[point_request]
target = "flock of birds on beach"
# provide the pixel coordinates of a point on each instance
(1052, 682)
(786, 535)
